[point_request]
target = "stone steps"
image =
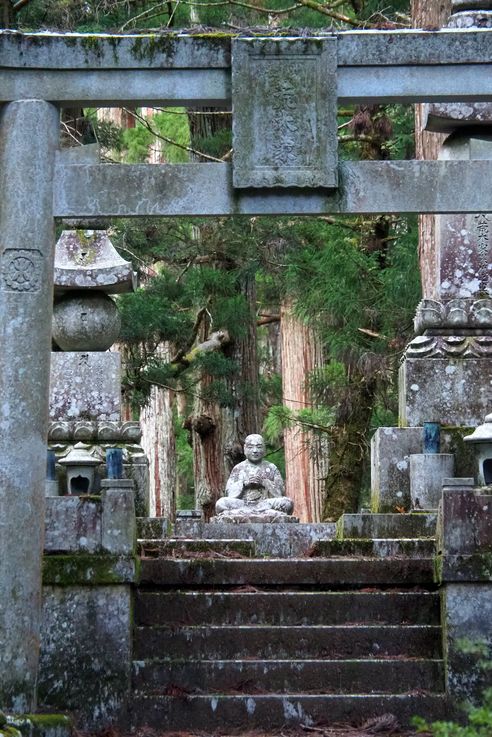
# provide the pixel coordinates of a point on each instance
(287, 676)
(186, 548)
(382, 548)
(346, 630)
(301, 608)
(223, 713)
(286, 572)
(224, 642)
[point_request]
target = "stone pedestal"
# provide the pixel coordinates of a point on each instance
(391, 448)
(453, 390)
(427, 471)
(463, 565)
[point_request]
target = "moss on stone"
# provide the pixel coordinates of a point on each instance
(90, 570)
(42, 725)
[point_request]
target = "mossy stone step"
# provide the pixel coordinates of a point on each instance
(289, 676)
(189, 548)
(218, 713)
(326, 572)
(274, 643)
(377, 526)
(383, 548)
(153, 608)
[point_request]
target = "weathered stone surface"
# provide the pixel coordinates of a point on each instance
(294, 677)
(72, 524)
(451, 391)
(85, 321)
(448, 117)
(285, 112)
(92, 525)
(182, 548)
(86, 652)
(29, 132)
(195, 189)
(211, 712)
(466, 522)
(427, 471)
(86, 259)
(463, 242)
(468, 646)
(286, 608)
(85, 386)
(152, 528)
(277, 541)
(119, 527)
(391, 448)
(290, 572)
(385, 548)
(386, 526)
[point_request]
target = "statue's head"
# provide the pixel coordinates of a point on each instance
(254, 448)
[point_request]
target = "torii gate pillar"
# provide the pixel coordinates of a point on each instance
(29, 131)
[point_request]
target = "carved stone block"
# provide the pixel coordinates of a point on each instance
(85, 386)
(450, 390)
(285, 112)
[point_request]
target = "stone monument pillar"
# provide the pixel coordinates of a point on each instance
(85, 393)
(29, 131)
(446, 375)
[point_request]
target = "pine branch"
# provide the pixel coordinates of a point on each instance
(155, 133)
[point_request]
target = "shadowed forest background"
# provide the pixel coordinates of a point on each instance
(288, 326)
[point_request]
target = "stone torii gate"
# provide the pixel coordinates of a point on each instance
(284, 94)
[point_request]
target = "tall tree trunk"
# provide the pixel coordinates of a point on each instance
(158, 442)
(219, 432)
(347, 454)
(431, 14)
(306, 453)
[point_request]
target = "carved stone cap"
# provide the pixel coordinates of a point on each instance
(475, 314)
(86, 259)
(483, 433)
(458, 5)
(102, 431)
(79, 456)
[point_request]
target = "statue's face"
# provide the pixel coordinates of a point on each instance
(254, 448)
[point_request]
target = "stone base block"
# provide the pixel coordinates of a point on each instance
(451, 391)
(468, 645)
(391, 448)
(427, 471)
(278, 541)
(85, 386)
(86, 652)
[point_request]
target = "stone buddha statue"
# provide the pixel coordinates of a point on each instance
(255, 489)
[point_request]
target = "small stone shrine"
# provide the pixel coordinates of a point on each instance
(254, 490)
(85, 386)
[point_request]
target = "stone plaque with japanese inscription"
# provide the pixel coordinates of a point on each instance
(284, 112)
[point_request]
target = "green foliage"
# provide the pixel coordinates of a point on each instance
(279, 417)
(137, 142)
(479, 722)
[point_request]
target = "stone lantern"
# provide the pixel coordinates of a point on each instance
(81, 466)
(481, 438)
